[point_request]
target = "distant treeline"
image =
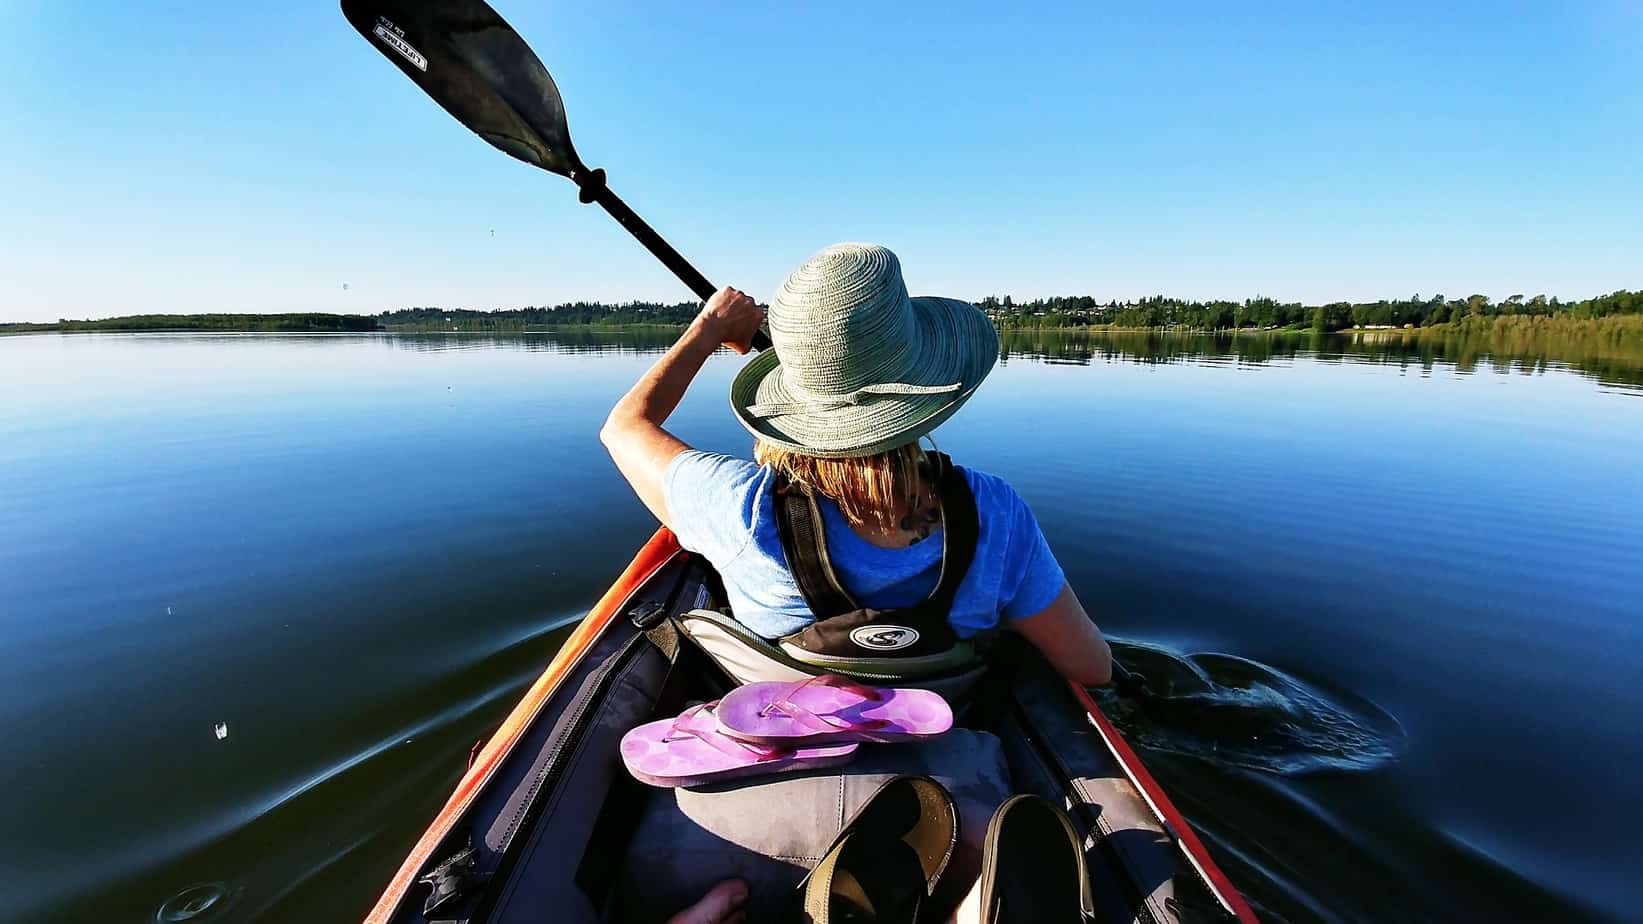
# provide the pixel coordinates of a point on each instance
(1268, 313)
(209, 322)
(676, 314)
(1076, 311)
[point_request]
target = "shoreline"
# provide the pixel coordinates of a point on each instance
(1625, 325)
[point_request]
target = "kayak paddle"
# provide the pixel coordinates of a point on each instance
(1129, 684)
(464, 55)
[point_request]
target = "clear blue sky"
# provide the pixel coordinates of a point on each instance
(257, 156)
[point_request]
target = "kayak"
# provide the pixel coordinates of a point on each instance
(546, 824)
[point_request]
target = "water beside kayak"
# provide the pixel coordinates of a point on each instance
(260, 594)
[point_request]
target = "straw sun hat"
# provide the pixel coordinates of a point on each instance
(858, 367)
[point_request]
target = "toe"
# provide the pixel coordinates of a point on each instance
(721, 905)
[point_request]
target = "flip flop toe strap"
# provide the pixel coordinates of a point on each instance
(783, 704)
(682, 727)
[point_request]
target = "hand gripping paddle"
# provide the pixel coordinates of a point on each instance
(464, 55)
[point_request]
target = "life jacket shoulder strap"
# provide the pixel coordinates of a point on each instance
(804, 544)
(960, 531)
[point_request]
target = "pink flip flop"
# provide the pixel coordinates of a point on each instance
(690, 750)
(830, 710)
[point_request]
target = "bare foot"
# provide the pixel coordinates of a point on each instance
(721, 905)
(969, 910)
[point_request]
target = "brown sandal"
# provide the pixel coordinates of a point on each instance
(884, 865)
(1033, 866)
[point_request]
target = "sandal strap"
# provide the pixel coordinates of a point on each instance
(783, 702)
(818, 891)
(682, 727)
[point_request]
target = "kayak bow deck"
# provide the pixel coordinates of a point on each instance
(543, 824)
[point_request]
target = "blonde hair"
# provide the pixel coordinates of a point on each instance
(877, 490)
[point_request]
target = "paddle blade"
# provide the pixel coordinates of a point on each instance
(464, 55)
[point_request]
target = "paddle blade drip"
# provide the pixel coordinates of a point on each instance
(464, 55)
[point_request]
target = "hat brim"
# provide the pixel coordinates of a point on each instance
(953, 342)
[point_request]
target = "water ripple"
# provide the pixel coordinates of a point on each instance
(1241, 713)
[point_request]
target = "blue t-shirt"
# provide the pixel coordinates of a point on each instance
(721, 509)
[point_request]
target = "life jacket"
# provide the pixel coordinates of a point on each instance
(909, 644)
(919, 637)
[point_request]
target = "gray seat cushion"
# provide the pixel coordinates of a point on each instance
(771, 831)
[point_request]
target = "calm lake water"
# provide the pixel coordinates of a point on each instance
(1394, 591)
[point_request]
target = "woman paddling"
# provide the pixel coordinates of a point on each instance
(859, 373)
(826, 543)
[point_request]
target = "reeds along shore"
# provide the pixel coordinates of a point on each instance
(1515, 333)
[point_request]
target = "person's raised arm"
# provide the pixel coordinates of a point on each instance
(1070, 640)
(633, 432)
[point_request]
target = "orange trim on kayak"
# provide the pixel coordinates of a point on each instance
(1160, 802)
(657, 552)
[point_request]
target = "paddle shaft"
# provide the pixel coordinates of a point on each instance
(594, 189)
(1131, 685)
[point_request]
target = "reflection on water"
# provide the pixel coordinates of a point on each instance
(1618, 364)
(565, 340)
(1614, 364)
(594, 340)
